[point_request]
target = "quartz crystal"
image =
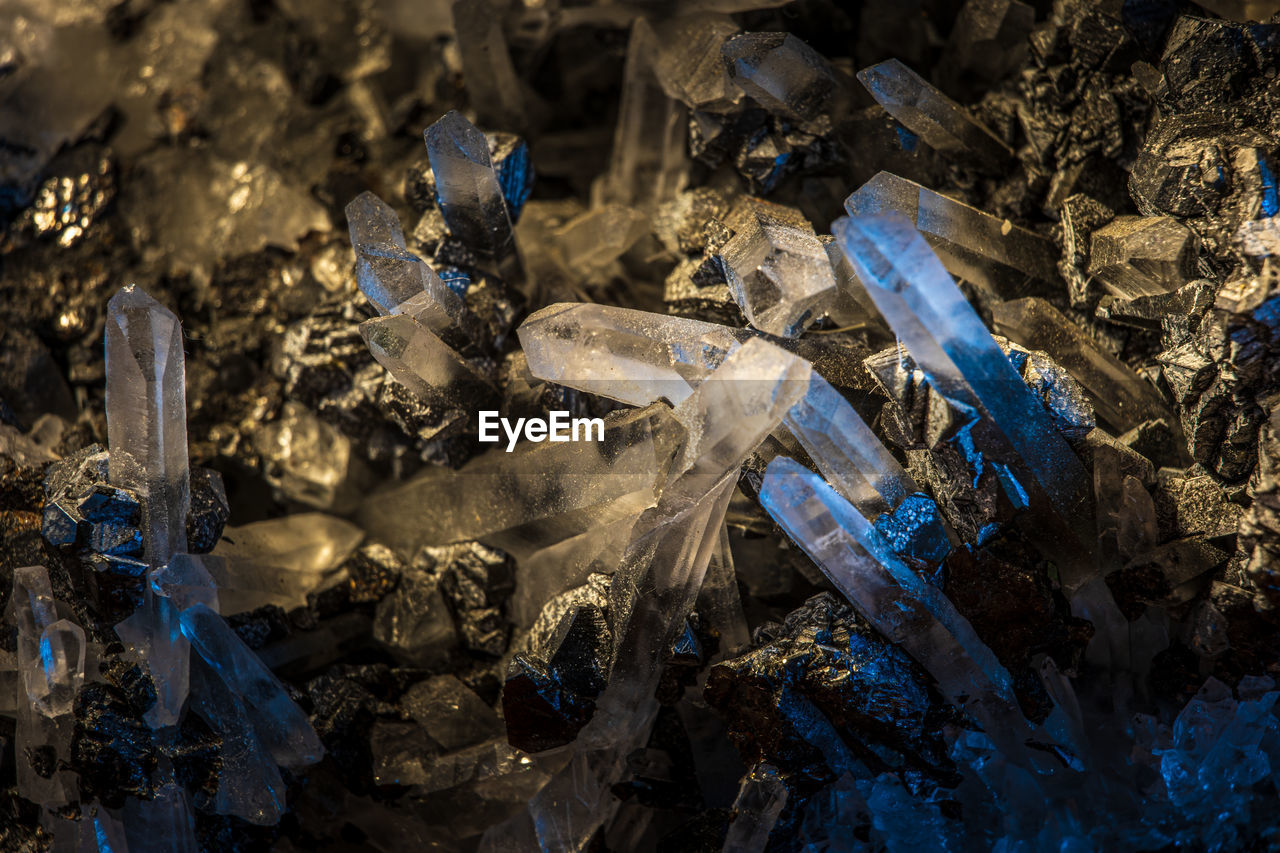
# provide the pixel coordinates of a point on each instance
(627, 355)
(394, 280)
(648, 162)
(688, 64)
(279, 724)
(963, 363)
(784, 75)
(306, 458)
(989, 39)
(50, 650)
(902, 605)
(776, 267)
(147, 417)
(761, 798)
(978, 247)
(1137, 256)
(847, 452)
(494, 90)
(467, 188)
(1123, 398)
(422, 362)
(565, 486)
(944, 125)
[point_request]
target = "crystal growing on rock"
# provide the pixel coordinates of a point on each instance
(939, 121)
(964, 364)
(147, 417)
(467, 188)
(776, 267)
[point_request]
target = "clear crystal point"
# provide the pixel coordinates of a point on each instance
(147, 417)
(846, 451)
(421, 361)
(944, 125)
(393, 279)
(631, 356)
(991, 252)
(467, 187)
(893, 597)
(963, 362)
(279, 723)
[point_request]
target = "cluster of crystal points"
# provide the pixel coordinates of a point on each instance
(950, 425)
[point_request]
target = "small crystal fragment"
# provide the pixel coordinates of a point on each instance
(776, 267)
(784, 75)
(1136, 256)
(761, 798)
(306, 458)
(422, 362)
(688, 64)
(451, 714)
(944, 125)
(988, 40)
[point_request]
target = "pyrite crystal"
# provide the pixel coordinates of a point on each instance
(725, 425)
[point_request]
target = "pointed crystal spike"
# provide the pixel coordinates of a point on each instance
(1122, 397)
(991, 252)
(776, 267)
(944, 125)
(62, 648)
(962, 362)
(761, 797)
(396, 281)
(846, 451)
(632, 356)
(280, 724)
(147, 417)
(494, 89)
(893, 597)
(422, 362)
(467, 187)
(648, 163)
(785, 76)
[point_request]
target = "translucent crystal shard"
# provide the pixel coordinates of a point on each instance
(147, 417)
(784, 75)
(467, 188)
(689, 66)
(1137, 256)
(631, 356)
(989, 39)
(893, 597)
(978, 247)
(944, 125)
(648, 163)
(1123, 398)
(50, 651)
(846, 451)
(493, 88)
(964, 364)
(395, 280)
(305, 457)
(279, 724)
(776, 267)
(422, 362)
(568, 487)
(761, 797)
